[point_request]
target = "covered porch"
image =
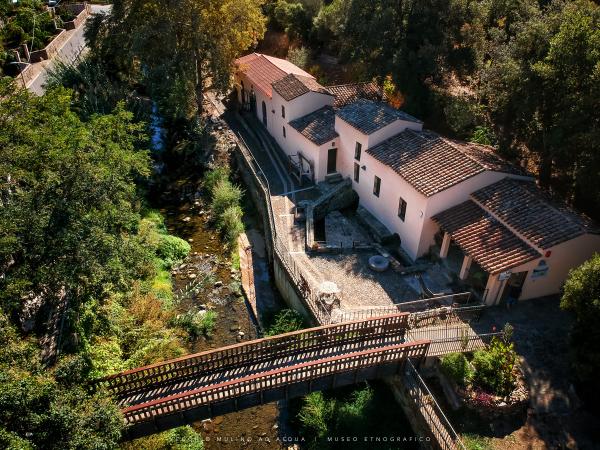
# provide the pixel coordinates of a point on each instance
(475, 241)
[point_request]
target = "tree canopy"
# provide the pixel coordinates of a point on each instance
(69, 204)
(582, 297)
(178, 48)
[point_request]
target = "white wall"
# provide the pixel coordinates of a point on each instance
(390, 130)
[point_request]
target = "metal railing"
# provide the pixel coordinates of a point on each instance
(441, 428)
(305, 288)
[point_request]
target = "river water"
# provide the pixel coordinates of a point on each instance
(186, 216)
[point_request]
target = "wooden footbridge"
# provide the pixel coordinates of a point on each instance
(180, 391)
(203, 385)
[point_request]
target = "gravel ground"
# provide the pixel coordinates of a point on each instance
(361, 286)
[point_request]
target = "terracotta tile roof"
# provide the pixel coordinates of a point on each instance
(368, 116)
(263, 70)
(260, 71)
(491, 245)
(293, 85)
(426, 161)
(349, 93)
(318, 127)
(487, 157)
(528, 210)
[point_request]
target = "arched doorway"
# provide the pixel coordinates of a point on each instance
(264, 114)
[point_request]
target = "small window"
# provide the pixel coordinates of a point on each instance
(402, 209)
(377, 186)
(283, 111)
(357, 150)
(284, 132)
(356, 172)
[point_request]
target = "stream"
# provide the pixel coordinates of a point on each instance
(186, 216)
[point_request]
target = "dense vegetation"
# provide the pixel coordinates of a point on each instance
(523, 75)
(326, 418)
(75, 237)
(491, 370)
(582, 297)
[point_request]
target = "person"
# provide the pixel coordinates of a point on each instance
(513, 296)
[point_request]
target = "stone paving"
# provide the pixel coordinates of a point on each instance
(361, 286)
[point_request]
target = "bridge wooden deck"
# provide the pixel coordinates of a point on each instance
(183, 390)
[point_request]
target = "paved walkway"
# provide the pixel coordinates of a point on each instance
(73, 47)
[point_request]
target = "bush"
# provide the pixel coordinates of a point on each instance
(197, 323)
(285, 321)
(316, 412)
(225, 195)
(582, 297)
(299, 57)
(73, 369)
(494, 367)
(230, 224)
(214, 177)
(456, 367)
(172, 249)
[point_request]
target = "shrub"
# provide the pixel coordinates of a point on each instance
(225, 195)
(285, 321)
(73, 369)
(172, 249)
(197, 323)
(316, 412)
(230, 224)
(213, 177)
(457, 368)
(494, 367)
(299, 57)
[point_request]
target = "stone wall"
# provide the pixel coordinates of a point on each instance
(82, 10)
(51, 49)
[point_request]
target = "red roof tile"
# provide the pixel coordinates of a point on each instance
(491, 245)
(528, 210)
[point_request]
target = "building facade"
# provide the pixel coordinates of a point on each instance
(419, 184)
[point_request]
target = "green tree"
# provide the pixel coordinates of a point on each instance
(582, 297)
(178, 48)
(69, 205)
(37, 411)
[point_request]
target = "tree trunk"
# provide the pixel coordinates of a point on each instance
(199, 94)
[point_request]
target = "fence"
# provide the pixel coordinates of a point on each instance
(430, 410)
(423, 312)
(451, 339)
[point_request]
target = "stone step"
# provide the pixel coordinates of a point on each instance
(334, 178)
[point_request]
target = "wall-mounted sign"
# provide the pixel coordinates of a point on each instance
(504, 275)
(541, 270)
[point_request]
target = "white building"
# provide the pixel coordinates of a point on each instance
(417, 183)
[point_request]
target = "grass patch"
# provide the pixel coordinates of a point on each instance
(197, 323)
(225, 204)
(475, 442)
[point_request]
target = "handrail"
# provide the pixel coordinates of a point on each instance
(274, 379)
(442, 429)
(268, 348)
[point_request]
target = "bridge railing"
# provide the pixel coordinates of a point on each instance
(418, 317)
(439, 425)
(451, 339)
(277, 379)
(324, 339)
